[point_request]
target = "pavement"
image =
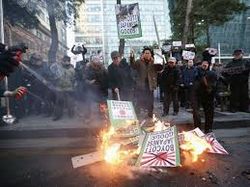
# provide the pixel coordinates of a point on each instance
(37, 131)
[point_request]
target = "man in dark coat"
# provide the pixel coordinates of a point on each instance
(171, 81)
(120, 77)
(236, 73)
(203, 95)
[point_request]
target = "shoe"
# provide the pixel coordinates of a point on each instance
(175, 113)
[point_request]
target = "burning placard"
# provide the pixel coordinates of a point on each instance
(160, 149)
(214, 145)
(128, 21)
(123, 118)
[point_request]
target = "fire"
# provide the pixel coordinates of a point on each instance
(194, 145)
(112, 152)
(159, 125)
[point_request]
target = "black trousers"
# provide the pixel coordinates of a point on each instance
(169, 96)
(207, 103)
(64, 99)
(145, 100)
(239, 99)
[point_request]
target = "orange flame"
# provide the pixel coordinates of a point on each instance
(159, 125)
(194, 144)
(112, 152)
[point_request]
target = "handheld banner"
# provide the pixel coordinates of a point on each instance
(123, 118)
(188, 55)
(128, 21)
(160, 149)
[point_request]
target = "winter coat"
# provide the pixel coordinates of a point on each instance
(237, 71)
(120, 76)
(188, 76)
(66, 81)
(145, 72)
(170, 78)
(205, 82)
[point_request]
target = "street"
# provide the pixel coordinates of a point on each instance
(52, 167)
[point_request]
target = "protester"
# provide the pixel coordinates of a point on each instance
(65, 88)
(80, 73)
(236, 73)
(171, 82)
(79, 50)
(187, 82)
(97, 86)
(120, 78)
(10, 59)
(36, 87)
(146, 81)
(203, 95)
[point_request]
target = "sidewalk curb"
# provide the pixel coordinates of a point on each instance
(94, 132)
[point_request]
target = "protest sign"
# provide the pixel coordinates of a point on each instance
(177, 43)
(189, 46)
(188, 55)
(216, 147)
(123, 118)
(128, 21)
(160, 149)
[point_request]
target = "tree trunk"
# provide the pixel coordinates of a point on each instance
(187, 20)
(53, 30)
(122, 41)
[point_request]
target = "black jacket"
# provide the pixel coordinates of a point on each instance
(120, 76)
(170, 78)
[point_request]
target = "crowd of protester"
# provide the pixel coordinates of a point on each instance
(185, 83)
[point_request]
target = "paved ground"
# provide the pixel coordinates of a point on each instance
(52, 167)
(37, 152)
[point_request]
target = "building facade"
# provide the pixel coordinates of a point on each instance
(38, 39)
(101, 14)
(234, 34)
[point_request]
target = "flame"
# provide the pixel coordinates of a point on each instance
(112, 152)
(159, 125)
(194, 145)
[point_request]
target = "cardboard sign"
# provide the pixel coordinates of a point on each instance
(216, 147)
(177, 43)
(188, 55)
(123, 118)
(128, 21)
(86, 159)
(189, 46)
(160, 149)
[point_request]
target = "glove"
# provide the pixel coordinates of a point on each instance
(20, 92)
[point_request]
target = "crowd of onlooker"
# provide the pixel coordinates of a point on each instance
(186, 83)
